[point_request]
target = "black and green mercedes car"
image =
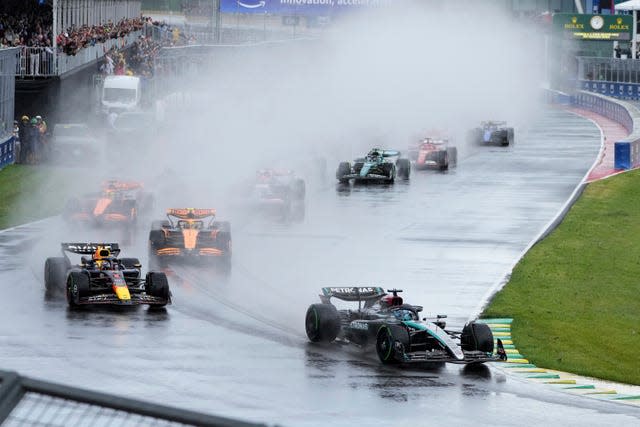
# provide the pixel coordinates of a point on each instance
(396, 330)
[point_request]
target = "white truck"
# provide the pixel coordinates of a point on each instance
(120, 94)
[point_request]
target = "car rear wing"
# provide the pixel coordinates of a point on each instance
(352, 293)
(84, 248)
(121, 185)
(390, 153)
(191, 213)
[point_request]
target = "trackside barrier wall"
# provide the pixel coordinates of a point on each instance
(6, 152)
(30, 402)
(627, 151)
(7, 92)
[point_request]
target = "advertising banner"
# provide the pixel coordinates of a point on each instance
(593, 27)
(6, 152)
(298, 7)
(628, 91)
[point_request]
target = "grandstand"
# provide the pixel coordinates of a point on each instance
(56, 37)
(59, 44)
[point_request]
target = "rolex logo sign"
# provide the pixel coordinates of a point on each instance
(619, 25)
(574, 24)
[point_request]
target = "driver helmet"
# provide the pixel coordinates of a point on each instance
(100, 256)
(25, 119)
(403, 314)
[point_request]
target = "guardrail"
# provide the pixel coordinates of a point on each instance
(618, 78)
(41, 61)
(626, 151)
(26, 401)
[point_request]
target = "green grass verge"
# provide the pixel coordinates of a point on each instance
(29, 193)
(575, 297)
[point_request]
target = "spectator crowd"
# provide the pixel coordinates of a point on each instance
(74, 39)
(29, 23)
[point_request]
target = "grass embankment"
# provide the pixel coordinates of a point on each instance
(29, 193)
(575, 297)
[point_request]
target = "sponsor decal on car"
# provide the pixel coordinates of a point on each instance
(360, 325)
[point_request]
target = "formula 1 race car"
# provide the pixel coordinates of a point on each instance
(492, 132)
(190, 233)
(433, 153)
(279, 193)
(103, 278)
(375, 167)
(118, 202)
(396, 330)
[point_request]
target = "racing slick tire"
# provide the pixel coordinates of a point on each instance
(322, 322)
(222, 226)
(78, 286)
(391, 171)
(477, 337)
(344, 169)
(443, 160)
(224, 243)
(157, 285)
(404, 168)
(390, 341)
(55, 274)
(156, 238)
(510, 136)
(453, 156)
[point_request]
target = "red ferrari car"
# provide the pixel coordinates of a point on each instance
(433, 153)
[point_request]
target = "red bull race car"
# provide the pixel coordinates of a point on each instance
(103, 278)
(190, 233)
(118, 202)
(382, 320)
(433, 153)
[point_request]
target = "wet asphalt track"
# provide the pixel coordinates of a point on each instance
(235, 346)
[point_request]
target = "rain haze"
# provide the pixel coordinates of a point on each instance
(379, 79)
(234, 343)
